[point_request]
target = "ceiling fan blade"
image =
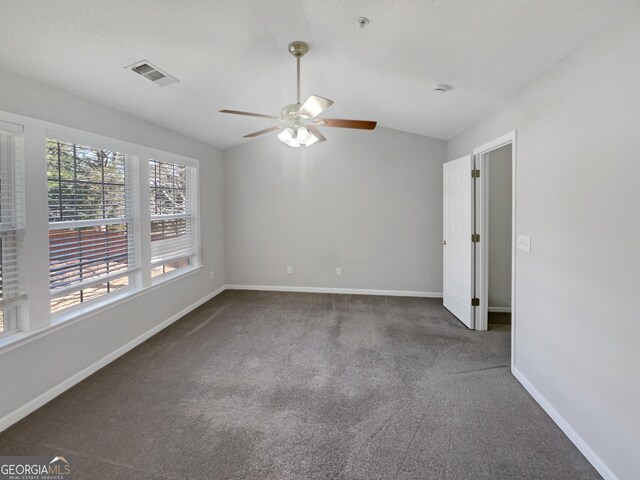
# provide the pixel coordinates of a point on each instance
(262, 132)
(344, 123)
(250, 114)
(314, 106)
(316, 133)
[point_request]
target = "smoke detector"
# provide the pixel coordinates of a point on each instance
(441, 88)
(152, 73)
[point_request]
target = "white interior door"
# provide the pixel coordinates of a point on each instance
(457, 245)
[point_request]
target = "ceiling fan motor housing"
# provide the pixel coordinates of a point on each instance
(290, 112)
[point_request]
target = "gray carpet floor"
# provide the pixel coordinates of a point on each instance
(262, 385)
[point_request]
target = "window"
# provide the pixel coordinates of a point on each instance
(172, 202)
(120, 219)
(12, 281)
(92, 248)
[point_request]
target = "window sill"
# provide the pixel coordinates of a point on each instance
(94, 307)
(174, 275)
(78, 314)
(8, 341)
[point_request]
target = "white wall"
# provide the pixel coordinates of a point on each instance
(33, 368)
(577, 322)
(500, 172)
(368, 202)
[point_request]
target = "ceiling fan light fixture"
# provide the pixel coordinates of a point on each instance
(310, 140)
(297, 137)
(302, 134)
(288, 137)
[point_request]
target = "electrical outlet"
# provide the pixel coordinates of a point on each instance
(338, 270)
(212, 275)
(524, 243)
(289, 269)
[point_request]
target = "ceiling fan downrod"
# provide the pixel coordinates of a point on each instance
(298, 49)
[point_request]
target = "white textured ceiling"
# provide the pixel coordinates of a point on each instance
(232, 54)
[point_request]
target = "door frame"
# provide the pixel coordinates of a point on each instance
(481, 256)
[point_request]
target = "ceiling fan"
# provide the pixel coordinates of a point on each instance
(299, 122)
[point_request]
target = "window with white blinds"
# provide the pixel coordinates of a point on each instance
(172, 202)
(92, 245)
(12, 280)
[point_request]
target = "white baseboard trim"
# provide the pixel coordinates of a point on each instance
(40, 400)
(343, 291)
(499, 309)
(568, 430)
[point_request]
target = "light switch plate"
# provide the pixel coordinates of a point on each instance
(524, 243)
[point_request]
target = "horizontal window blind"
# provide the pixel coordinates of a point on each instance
(91, 213)
(12, 280)
(81, 256)
(171, 239)
(172, 214)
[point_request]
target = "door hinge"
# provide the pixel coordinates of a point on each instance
(475, 302)
(475, 237)
(475, 173)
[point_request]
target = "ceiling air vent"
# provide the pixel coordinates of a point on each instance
(152, 73)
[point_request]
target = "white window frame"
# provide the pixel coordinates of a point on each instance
(132, 219)
(14, 307)
(194, 172)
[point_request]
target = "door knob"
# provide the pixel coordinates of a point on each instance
(443, 242)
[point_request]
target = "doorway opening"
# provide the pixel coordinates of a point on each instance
(495, 223)
(498, 236)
